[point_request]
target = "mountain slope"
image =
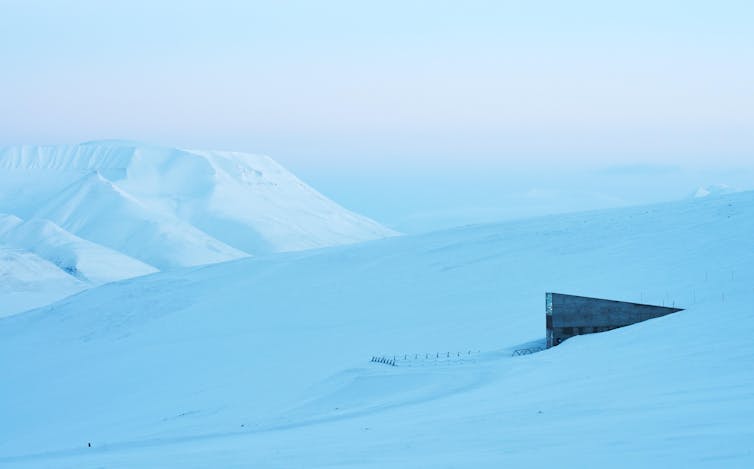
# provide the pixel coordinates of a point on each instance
(96, 209)
(265, 361)
(247, 202)
(123, 209)
(76, 256)
(28, 281)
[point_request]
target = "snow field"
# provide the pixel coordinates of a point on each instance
(264, 362)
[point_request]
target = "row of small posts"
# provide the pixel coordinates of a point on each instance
(425, 358)
(384, 361)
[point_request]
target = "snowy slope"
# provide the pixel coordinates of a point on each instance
(96, 209)
(264, 362)
(235, 203)
(31, 279)
(110, 210)
(28, 281)
(78, 257)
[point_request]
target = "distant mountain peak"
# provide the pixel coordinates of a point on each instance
(713, 190)
(167, 207)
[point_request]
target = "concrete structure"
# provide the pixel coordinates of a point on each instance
(570, 315)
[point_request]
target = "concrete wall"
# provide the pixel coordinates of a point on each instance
(570, 315)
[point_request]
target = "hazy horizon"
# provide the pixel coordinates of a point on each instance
(421, 114)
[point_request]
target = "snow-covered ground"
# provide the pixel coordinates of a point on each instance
(265, 362)
(105, 211)
(27, 281)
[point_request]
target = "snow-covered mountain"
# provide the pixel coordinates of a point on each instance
(714, 190)
(103, 211)
(265, 362)
(28, 281)
(77, 257)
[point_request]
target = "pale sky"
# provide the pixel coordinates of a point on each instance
(379, 92)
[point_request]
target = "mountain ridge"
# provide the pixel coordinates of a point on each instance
(169, 207)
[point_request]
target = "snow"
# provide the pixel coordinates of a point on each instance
(76, 256)
(97, 210)
(27, 281)
(714, 190)
(105, 211)
(264, 362)
(269, 208)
